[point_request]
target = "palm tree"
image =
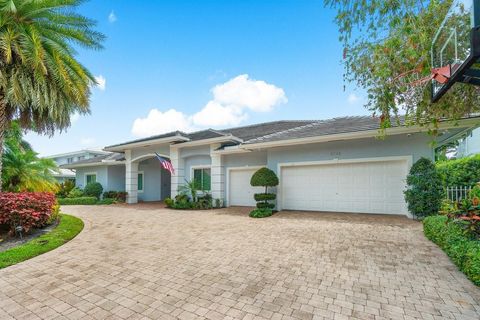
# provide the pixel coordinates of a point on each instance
(41, 82)
(23, 170)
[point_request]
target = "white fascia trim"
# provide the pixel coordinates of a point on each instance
(231, 150)
(132, 145)
(207, 141)
(95, 164)
(466, 123)
(101, 152)
(227, 180)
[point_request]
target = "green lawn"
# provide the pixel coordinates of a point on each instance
(66, 230)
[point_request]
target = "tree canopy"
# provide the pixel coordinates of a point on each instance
(382, 41)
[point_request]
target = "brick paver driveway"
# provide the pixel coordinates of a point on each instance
(154, 263)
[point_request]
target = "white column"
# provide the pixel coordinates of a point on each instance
(218, 174)
(179, 166)
(131, 178)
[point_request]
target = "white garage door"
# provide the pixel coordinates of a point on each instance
(240, 191)
(365, 187)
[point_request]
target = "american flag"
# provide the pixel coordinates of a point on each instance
(166, 164)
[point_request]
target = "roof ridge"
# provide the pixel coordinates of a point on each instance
(313, 123)
(268, 122)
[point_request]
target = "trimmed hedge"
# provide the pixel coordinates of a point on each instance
(264, 196)
(462, 249)
(77, 201)
(460, 172)
(261, 213)
(265, 205)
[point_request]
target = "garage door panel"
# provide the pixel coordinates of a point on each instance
(367, 187)
(240, 191)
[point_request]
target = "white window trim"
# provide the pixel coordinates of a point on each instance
(143, 181)
(207, 166)
(89, 174)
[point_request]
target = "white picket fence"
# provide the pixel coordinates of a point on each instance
(457, 193)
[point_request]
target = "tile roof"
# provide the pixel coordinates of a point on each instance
(114, 156)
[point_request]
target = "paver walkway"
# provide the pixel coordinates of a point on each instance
(154, 263)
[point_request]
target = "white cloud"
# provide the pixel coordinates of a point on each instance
(101, 82)
(87, 141)
(215, 114)
(353, 98)
(256, 95)
(112, 17)
(230, 105)
(158, 122)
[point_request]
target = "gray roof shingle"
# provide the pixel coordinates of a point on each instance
(114, 156)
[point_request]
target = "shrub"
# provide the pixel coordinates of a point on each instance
(65, 188)
(93, 189)
(169, 202)
(264, 177)
(107, 201)
(78, 201)
(264, 196)
(26, 209)
(261, 213)
(263, 205)
(120, 196)
(424, 192)
(460, 172)
(459, 246)
(75, 193)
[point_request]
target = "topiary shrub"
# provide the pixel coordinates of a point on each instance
(424, 192)
(93, 189)
(264, 177)
(75, 193)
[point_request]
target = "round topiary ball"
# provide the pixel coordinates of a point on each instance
(264, 177)
(93, 189)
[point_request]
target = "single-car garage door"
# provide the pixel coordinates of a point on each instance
(240, 191)
(365, 187)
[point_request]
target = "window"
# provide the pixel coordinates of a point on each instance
(140, 182)
(90, 178)
(201, 176)
(69, 160)
(81, 158)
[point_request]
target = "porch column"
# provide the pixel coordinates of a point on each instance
(131, 178)
(179, 166)
(218, 174)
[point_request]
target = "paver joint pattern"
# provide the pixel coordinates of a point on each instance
(149, 262)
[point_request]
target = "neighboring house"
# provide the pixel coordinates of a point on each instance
(470, 145)
(71, 157)
(329, 165)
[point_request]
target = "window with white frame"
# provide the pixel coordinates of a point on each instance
(90, 178)
(140, 182)
(202, 178)
(70, 160)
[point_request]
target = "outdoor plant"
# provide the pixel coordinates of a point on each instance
(424, 189)
(120, 196)
(65, 188)
(460, 172)
(78, 201)
(190, 188)
(266, 178)
(93, 189)
(169, 202)
(75, 193)
(26, 209)
(261, 213)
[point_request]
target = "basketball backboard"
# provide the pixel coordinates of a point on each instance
(456, 47)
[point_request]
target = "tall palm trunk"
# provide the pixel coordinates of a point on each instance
(3, 128)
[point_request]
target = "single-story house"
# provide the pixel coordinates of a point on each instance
(339, 164)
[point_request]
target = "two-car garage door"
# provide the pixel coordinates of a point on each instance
(355, 186)
(365, 187)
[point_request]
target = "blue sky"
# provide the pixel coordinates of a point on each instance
(208, 63)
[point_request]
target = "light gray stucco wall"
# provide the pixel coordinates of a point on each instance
(152, 171)
(415, 145)
(116, 178)
(102, 176)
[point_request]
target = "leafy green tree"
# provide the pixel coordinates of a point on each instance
(23, 170)
(424, 192)
(41, 82)
(384, 40)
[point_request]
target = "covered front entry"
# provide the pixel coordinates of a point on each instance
(364, 186)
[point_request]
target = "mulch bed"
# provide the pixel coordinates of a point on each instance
(7, 242)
